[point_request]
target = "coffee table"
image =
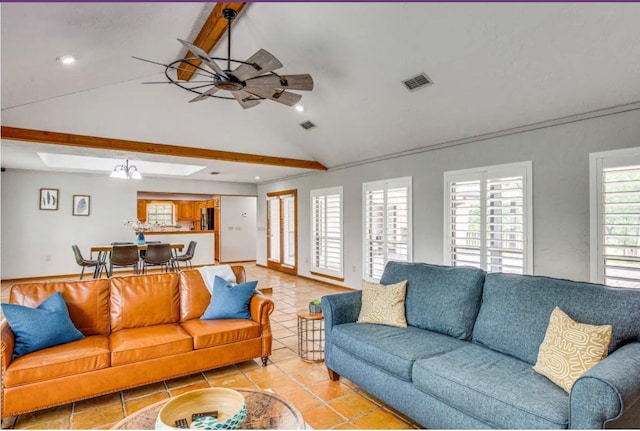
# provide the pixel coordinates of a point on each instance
(265, 410)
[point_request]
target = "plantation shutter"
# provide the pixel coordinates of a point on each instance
(289, 228)
(387, 224)
(326, 232)
(621, 226)
(488, 218)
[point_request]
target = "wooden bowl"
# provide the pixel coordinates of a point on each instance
(230, 405)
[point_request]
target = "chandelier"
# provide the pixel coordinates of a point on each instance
(126, 172)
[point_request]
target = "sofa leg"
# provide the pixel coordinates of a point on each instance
(265, 359)
(333, 376)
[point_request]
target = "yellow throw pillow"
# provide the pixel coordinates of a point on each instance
(382, 304)
(570, 348)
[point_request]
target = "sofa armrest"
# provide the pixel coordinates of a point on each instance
(8, 344)
(610, 391)
(340, 308)
(261, 308)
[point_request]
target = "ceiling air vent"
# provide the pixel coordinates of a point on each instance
(214, 173)
(417, 82)
(307, 125)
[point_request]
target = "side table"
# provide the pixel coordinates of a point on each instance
(311, 336)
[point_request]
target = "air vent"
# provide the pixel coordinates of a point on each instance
(214, 173)
(417, 82)
(307, 125)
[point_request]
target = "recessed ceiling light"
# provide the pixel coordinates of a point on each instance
(299, 108)
(66, 59)
(256, 177)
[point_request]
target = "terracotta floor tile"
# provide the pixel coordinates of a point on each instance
(232, 381)
(98, 402)
(182, 389)
(303, 399)
(264, 373)
(322, 418)
(352, 405)
(144, 391)
(282, 355)
(136, 404)
(329, 390)
(311, 376)
(379, 419)
(345, 426)
(279, 385)
(185, 381)
(53, 418)
(93, 418)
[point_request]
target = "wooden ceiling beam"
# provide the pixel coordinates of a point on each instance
(83, 141)
(211, 32)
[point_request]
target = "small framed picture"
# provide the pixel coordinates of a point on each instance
(48, 199)
(81, 205)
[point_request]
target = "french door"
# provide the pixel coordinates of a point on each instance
(282, 231)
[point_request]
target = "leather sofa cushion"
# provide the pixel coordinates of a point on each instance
(439, 298)
(87, 301)
(391, 348)
(140, 344)
(515, 311)
(194, 295)
(144, 300)
(77, 357)
(208, 333)
(497, 389)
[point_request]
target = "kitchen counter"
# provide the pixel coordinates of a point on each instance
(205, 248)
(178, 232)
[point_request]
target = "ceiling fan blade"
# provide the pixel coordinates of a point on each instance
(176, 82)
(244, 99)
(284, 97)
(202, 54)
(260, 62)
(287, 82)
(205, 95)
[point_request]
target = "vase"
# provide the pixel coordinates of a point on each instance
(140, 238)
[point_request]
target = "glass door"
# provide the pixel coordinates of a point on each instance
(282, 236)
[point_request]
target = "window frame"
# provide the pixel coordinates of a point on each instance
(385, 185)
(163, 203)
(483, 174)
(318, 270)
(598, 161)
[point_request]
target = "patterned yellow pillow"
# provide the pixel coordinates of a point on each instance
(570, 348)
(383, 305)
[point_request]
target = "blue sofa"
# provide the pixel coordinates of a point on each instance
(465, 360)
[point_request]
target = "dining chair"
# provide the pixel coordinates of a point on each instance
(87, 263)
(158, 255)
(124, 256)
(143, 252)
(186, 257)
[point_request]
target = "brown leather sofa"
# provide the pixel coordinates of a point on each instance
(138, 329)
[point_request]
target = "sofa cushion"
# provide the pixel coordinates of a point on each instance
(497, 389)
(230, 300)
(140, 344)
(209, 333)
(144, 300)
(87, 301)
(570, 349)
(515, 311)
(439, 298)
(390, 348)
(89, 354)
(38, 328)
(382, 304)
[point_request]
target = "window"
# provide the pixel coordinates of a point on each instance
(615, 217)
(488, 218)
(160, 213)
(387, 224)
(326, 232)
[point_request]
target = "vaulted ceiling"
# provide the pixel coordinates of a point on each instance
(495, 66)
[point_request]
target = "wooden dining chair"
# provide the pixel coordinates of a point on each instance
(158, 255)
(124, 256)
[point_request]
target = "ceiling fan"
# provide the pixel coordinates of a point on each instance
(248, 83)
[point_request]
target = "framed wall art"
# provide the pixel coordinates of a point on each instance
(48, 199)
(81, 205)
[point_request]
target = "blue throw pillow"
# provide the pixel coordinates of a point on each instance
(229, 300)
(37, 328)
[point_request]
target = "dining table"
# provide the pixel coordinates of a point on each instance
(104, 250)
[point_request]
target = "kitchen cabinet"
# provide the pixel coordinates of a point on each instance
(197, 211)
(142, 210)
(185, 210)
(213, 203)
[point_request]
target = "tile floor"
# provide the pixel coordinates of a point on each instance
(323, 404)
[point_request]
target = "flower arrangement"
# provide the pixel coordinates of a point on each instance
(140, 227)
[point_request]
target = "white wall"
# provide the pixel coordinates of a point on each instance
(38, 243)
(237, 228)
(560, 156)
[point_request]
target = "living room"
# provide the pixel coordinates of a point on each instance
(555, 98)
